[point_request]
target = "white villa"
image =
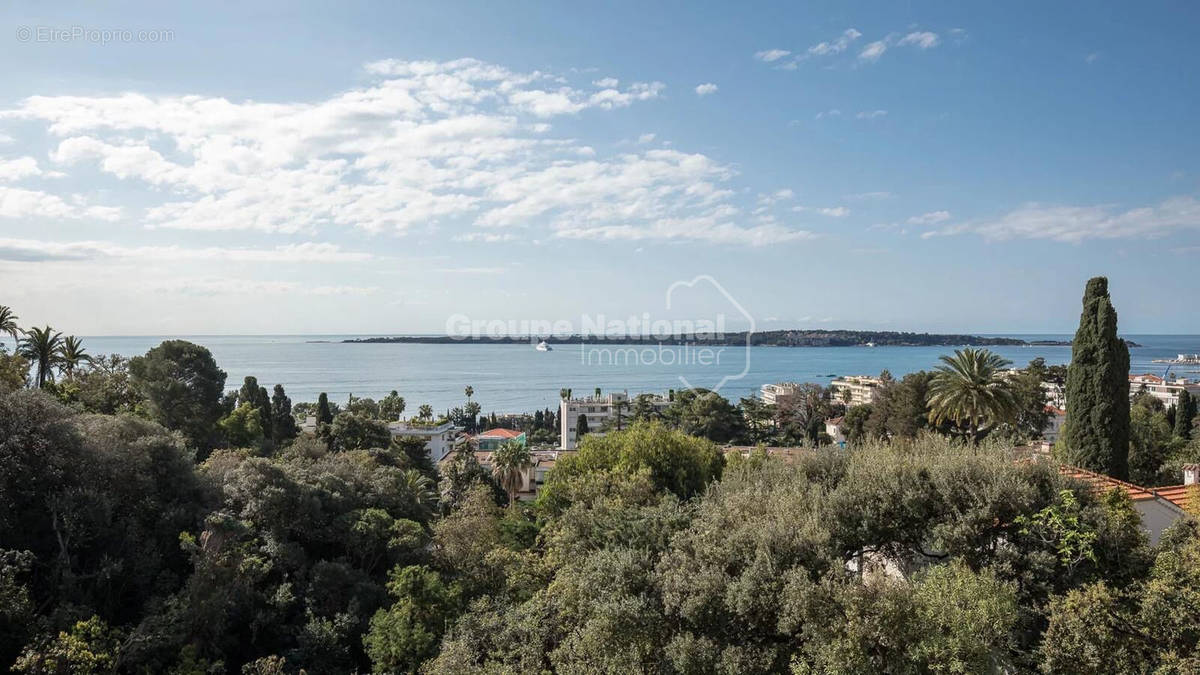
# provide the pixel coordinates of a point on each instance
(859, 388)
(598, 410)
(1166, 391)
(439, 438)
(775, 394)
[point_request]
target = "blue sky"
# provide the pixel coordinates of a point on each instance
(370, 167)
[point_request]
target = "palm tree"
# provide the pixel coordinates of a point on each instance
(41, 346)
(509, 463)
(8, 324)
(425, 412)
(971, 391)
(419, 486)
(71, 353)
(469, 391)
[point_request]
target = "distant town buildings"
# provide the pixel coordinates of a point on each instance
(1166, 391)
(855, 389)
(601, 413)
(1054, 424)
(775, 394)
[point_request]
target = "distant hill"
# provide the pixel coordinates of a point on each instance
(772, 338)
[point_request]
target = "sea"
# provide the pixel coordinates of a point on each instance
(518, 378)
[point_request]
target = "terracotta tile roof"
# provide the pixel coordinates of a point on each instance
(1055, 411)
(1179, 495)
(1147, 377)
(499, 433)
(1100, 483)
(835, 420)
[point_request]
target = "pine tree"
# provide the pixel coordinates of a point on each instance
(1096, 434)
(264, 409)
(283, 425)
(324, 415)
(1185, 412)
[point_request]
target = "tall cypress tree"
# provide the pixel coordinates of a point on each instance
(283, 425)
(1097, 425)
(324, 414)
(1185, 412)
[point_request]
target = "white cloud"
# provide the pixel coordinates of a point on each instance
(831, 211)
(646, 138)
(437, 145)
(920, 39)
(34, 250)
(871, 114)
(1074, 224)
(835, 46)
(20, 203)
(484, 237)
(931, 218)
(242, 287)
(878, 194)
(873, 51)
(771, 55)
(706, 89)
(16, 169)
(832, 112)
(1092, 58)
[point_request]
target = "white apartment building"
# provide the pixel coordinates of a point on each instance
(859, 388)
(439, 438)
(1166, 391)
(775, 394)
(598, 410)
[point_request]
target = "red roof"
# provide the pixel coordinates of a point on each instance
(1146, 378)
(500, 433)
(1100, 483)
(1055, 411)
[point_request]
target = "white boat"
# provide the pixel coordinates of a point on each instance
(543, 347)
(870, 344)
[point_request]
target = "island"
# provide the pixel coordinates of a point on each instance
(771, 338)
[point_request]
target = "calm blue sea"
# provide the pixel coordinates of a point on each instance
(510, 378)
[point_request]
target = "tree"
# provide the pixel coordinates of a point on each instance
(41, 347)
(1096, 431)
(509, 463)
(1149, 441)
(182, 387)
(402, 636)
(71, 354)
(14, 371)
(469, 391)
(391, 406)
(971, 391)
(425, 412)
(242, 428)
(324, 414)
(355, 432)
(8, 324)
(1185, 413)
(283, 424)
(704, 413)
(581, 428)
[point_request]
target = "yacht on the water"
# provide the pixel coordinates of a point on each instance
(543, 347)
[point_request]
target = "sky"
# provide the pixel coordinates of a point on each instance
(354, 167)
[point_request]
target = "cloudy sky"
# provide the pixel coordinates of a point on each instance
(353, 167)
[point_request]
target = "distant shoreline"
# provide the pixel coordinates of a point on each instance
(779, 338)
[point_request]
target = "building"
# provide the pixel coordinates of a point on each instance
(1158, 508)
(1054, 425)
(601, 413)
(492, 439)
(833, 427)
(1056, 394)
(1166, 391)
(774, 394)
(440, 437)
(855, 389)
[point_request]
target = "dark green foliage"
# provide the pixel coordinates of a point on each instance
(1185, 413)
(354, 432)
(324, 414)
(283, 425)
(1096, 434)
(182, 386)
(706, 414)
